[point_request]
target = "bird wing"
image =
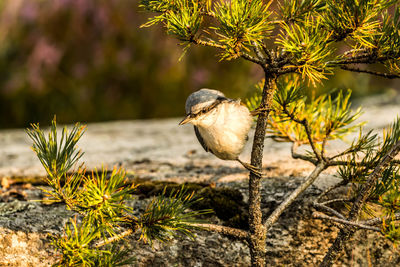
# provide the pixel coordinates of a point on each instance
(201, 140)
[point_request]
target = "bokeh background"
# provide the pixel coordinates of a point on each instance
(89, 60)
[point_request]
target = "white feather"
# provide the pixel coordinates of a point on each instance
(225, 128)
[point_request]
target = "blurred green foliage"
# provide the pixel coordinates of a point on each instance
(88, 60)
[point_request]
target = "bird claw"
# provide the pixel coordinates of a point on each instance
(251, 168)
(259, 110)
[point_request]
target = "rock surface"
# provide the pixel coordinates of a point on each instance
(161, 150)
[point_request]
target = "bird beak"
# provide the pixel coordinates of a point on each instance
(186, 120)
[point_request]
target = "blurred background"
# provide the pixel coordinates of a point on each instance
(89, 60)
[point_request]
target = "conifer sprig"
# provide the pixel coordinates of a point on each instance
(103, 199)
(76, 248)
(168, 215)
(100, 198)
(57, 156)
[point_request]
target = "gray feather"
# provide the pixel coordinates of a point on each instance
(201, 140)
(201, 99)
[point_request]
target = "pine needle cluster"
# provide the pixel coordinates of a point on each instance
(100, 201)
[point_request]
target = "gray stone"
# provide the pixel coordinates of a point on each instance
(162, 150)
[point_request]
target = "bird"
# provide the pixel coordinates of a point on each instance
(221, 124)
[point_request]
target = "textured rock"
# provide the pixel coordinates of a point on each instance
(162, 150)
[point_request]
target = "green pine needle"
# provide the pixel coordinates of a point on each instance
(168, 215)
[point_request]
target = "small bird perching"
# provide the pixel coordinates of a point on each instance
(221, 124)
(287, 37)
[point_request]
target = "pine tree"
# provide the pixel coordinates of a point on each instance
(295, 43)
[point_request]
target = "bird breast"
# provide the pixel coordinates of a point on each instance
(225, 128)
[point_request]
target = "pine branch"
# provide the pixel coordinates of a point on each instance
(376, 73)
(372, 178)
(222, 47)
(346, 232)
(370, 58)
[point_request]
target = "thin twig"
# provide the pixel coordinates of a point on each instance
(282, 207)
(287, 69)
(219, 46)
(375, 221)
(329, 189)
(318, 215)
(306, 126)
(354, 50)
(114, 238)
(359, 59)
(258, 52)
(323, 146)
(267, 52)
(329, 209)
(336, 200)
(207, 43)
(296, 155)
(238, 233)
(376, 73)
(252, 59)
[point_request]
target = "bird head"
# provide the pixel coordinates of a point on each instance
(199, 102)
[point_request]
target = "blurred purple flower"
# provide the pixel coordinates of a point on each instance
(29, 11)
(44, 57)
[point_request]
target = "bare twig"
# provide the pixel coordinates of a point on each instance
(252, 59)
(330, 210)
(296, 155)
(309, 180)
(329, 189)
(319, 215)
(336, 200)
(238, 233)
(375, 221)
(258, 52)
